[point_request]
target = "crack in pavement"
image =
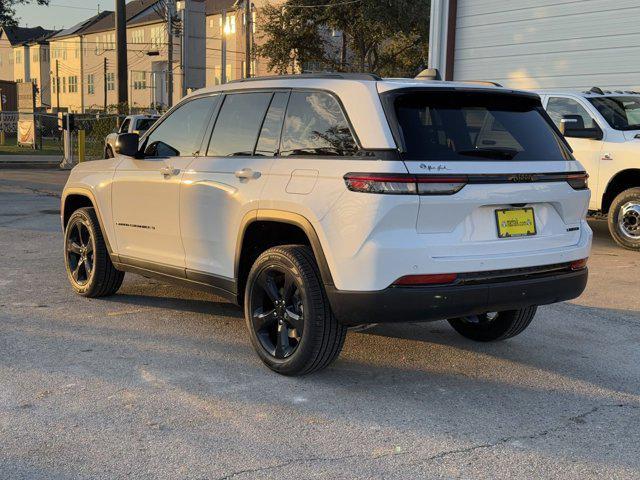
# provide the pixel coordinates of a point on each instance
(568, 423)
(571, 420)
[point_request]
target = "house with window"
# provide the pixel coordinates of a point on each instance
(67, 50)
(541, 44)
(14, 45)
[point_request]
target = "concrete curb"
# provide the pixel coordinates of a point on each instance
(17, 165)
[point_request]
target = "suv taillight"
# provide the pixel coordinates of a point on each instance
(578, 181)
(405, 184)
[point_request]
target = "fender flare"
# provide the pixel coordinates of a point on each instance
(290, 218)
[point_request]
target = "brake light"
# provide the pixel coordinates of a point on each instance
(405, 184)
(578, 181)
(433, 279)
(579, 264)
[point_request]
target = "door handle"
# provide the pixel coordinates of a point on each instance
(169, 171)
(607, 156)
(247, 174)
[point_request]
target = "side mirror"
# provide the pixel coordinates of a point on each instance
(572, 126)
(573, 122)
(128, 144)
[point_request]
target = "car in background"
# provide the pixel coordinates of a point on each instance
(131, 124)
(603, 129)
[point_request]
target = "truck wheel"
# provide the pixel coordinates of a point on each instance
(624, 219)
(288, 315)
(489, 327)
(87, 261)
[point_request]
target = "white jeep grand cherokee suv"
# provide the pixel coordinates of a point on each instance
(324, 201)
(603, 128)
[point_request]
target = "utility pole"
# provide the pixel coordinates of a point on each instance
(169, 53)
(247, 31)
(223, 48)
(57, 84)
(105, 83)
(121, 53)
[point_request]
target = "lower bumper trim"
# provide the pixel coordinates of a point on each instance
(423, 304)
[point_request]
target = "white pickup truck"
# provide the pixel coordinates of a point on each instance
(603, 128)
(132, 124)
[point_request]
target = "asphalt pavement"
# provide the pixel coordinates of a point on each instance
(161, 382)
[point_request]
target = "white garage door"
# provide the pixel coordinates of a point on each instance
(549, 43)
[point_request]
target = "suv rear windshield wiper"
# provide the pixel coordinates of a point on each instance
(501, 153)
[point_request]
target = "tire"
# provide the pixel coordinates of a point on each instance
(108, 153)
(288, 315)
(493, 327)
(87, 262)
(624, 219)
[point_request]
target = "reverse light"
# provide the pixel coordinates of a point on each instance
(404, 184)
(432, 279)
(579, 264)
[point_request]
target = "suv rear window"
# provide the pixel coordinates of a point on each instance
(464, 126)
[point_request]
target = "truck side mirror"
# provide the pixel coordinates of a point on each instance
(128, 144)
(572, 126)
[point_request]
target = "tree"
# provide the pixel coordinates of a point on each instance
(387, 37)
(8, 12)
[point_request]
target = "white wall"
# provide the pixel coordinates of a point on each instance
(549, 43)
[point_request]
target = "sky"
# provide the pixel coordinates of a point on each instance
(60, 13)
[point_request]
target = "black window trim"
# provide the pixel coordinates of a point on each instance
(168, 113)
(363, 154)
(279, 139)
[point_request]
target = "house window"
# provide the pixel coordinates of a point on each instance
(18, 57)
(90, 84)
(111, 81)
(64, 84)
(139, 80)
(73, 84)
(53, 84)
(157, 37)
(137, 36)
(36, 56)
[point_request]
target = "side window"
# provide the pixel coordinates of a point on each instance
(558, 107)
(124, 128)
(180, 134)
(238, 124)
(272, 126)
(316, 125)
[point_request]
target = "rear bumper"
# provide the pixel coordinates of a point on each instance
(421, 304)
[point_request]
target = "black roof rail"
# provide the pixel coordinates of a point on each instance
(310, 76)
(597, 90)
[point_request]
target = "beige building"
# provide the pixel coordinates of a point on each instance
(24, 57)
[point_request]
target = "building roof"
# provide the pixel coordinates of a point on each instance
(137, 12)
(82, 27)
(20, 35)
(216, 6)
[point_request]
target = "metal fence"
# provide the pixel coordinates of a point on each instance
(96, 128)
(47, 133)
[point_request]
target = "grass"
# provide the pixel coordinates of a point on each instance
(49, 147)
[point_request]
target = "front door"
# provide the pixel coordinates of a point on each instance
(146, 191)
(586, 150)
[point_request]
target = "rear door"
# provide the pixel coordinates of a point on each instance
(491, 171)
(224, 184)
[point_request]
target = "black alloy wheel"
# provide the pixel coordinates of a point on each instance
(79, 248)
(277, 313)
(86, 256)
(288, 315)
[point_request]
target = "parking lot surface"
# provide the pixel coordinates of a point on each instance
(162, 382)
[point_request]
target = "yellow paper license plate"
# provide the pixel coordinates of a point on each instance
(515, 222)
